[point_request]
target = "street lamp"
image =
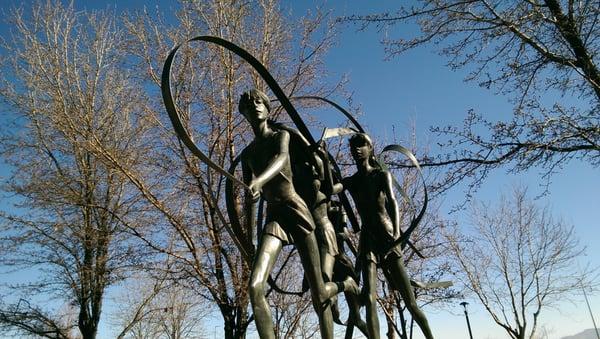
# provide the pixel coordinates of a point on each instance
(464, 304)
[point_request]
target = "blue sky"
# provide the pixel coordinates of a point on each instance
(417, 87)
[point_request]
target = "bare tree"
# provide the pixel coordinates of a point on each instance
(518, 261)
(152, 307)
(293, 316)
(528, 50)
(63, 86)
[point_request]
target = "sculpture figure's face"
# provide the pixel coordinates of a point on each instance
(254, 109)
(361, 148)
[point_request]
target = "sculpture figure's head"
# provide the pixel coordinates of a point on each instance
(361, 147)
(254, 106)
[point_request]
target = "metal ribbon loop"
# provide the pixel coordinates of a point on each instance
(245, 244)
(403, 240)
(176, 118)
(338, 107)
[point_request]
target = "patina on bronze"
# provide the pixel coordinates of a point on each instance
(371, 188)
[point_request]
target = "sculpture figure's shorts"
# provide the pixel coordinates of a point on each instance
(288, 220)
(373, 251)
(326, 238)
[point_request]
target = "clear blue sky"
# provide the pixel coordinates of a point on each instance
(417, 87)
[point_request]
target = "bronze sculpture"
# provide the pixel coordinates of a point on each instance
(372, 191)
(298, 204)
(324, 188)
(268, 172)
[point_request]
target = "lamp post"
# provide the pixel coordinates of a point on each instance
(587, 302)
(464, 304)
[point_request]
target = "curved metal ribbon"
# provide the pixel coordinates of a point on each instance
(176, 118)
(241, 238)
(273, 85)
(338, 107)
(403, 240)
(262, 71)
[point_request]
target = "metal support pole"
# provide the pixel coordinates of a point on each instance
(590, 310)
(464, 304)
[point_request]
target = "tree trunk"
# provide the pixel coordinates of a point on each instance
(87, 328)
(402, 321)
(391, 332)
(235, 326)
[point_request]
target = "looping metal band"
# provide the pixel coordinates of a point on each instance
(236, 231)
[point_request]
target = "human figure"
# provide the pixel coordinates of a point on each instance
(344, 267)
(333, 259)
(324, 189)
(267, 170)
(371, 190)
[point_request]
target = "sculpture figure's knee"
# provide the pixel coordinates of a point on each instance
(412, 305)
(256, 290)
(319, 299)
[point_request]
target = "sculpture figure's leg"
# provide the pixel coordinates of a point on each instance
(319, 289)
(323, 225)
(327, 261)
(269, 249)
(354, 316)
(370, 287)
(401, 280)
